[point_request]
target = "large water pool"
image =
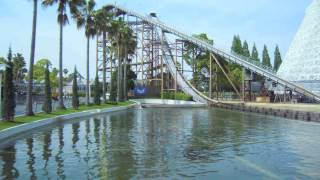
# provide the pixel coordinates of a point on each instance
(167, 144)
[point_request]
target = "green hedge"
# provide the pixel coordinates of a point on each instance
(177, 96)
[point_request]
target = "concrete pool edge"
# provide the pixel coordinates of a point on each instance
(17, 130)
(283, 113)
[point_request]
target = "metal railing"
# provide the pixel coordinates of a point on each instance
(252, 61)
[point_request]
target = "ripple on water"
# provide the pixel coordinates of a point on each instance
(167, 144)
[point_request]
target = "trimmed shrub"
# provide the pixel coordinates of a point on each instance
(97, 92)
(177, 96)
(75, 95)
(47, 105)
(9, 103)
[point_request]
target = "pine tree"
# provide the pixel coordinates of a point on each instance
(245, 49)
(234, 43)
(9, 103)
(266, 57)
(277, 59)
(97, 91)
(237, 45)
(47, 105)
(255, 53)
(75, 95)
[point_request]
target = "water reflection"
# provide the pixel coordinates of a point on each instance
(75, 138)
(87, 147)
(46, 151)
(31, 159)
(103, 170)
(167, 144)
(58, 157)
(120, 156)
(8, 158)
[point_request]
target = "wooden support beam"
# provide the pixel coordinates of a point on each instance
(226, 75)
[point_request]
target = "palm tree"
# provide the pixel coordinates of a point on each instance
(103, 19)
(112, 61)
(116, 33)
(29, 111)
(129, 45)
(86, 19)
(73, 6)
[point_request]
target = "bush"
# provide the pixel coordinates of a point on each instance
(81, 94)
(177, 96)
(112, 102)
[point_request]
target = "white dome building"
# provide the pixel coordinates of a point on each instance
(302, 62)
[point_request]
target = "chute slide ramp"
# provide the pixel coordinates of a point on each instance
(184, 84)
(230, 57)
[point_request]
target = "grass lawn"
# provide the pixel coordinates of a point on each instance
(26, 119)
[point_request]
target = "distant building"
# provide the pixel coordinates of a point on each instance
(302, 62)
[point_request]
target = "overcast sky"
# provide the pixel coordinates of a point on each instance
(268, 22)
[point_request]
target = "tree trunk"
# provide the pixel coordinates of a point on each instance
(61, 104)
(104, 83)
(111, 74)
(121, 79)
(88, 77)
(29, 111)
(118, 77)
(125, 83)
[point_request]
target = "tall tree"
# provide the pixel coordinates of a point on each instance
(116, 34)
(236, 71)
(130, 45)
(234, 43)
(265, 57)
(75, 95)
(97, 91)
(39, 73)
(193, 53)
(9, 101)
(255, 53)
(245, 49)
(19, 69)
(63, 5)
(103, 19)
(47, 105)
(3, 60)
(113, 87)
(237, 45)
(86, 19)
(277, 59)
(29, 111)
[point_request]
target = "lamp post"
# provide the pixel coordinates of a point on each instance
(2, 68)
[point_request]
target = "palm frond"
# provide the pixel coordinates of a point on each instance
(91, 4)
(47, 3)
(80, 20)
(63, 19)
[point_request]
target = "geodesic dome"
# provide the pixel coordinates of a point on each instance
(302, 62)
